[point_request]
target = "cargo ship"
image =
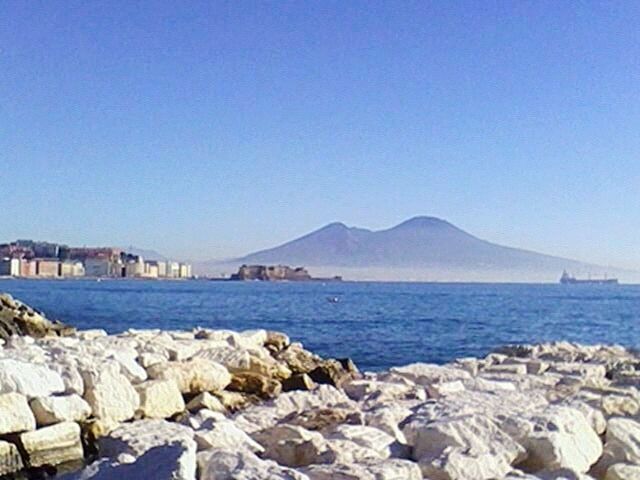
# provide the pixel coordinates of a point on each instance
(567, 279)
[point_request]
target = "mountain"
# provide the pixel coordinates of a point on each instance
(421, 248)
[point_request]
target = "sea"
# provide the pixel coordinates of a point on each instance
(378, 325)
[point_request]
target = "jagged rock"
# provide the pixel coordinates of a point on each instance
(334, 372)
(426, 374)
(559, 437)
(276, 341)
(50, 410)
(364, 436)
(299, 381)
(232, 401)
(460, 448)
(392, 469)
(174, 460)
(623, 471)
(159, 399)
(622, 441)
(10, 459)
(267, 414)
(193, 376)
(29, 379)
(15, 414)
(298, 359)
(442, 389)
(293, 446)
(52, 445)
(224, 464)
(324, 418)
(110, 394)
(222, 433)
(16, 318)
(207, 401)
(138, 438)
(238, 360)
(255, 384)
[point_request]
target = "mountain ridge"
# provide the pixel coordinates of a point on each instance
(419, 248)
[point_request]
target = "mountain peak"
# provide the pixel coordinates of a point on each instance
(423, 221)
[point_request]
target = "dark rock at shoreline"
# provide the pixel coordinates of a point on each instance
(16, 318)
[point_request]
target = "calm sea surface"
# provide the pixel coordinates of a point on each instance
(377, 324)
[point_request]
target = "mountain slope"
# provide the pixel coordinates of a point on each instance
(422, 248)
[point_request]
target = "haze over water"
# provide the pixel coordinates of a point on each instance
(379, 325)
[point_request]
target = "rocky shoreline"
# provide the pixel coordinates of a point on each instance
(217, 404)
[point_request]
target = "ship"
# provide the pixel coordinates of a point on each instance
(567, 279)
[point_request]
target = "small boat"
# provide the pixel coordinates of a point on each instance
(333, 299)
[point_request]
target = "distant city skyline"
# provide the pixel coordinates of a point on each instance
(208, 130)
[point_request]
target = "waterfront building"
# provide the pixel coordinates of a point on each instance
(151, 269)
(162, 269)
(28, 268)
(71, 268)
(184, 270)
(47, 267)
(173, 270)
(135, 268)
(10, 267)
(102, 267)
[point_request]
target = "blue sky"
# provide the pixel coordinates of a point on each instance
(208, 129)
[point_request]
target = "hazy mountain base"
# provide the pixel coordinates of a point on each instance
(436, 274)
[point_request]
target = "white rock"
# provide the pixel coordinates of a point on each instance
(15, 414)
(460, 448)
(623, 471)
(138, 438)
(559, 437)
(110, 394)
(207, 401)
(293, 446)
(365, 436)
(267, 414)
(426, 374)
(10, 460)
(29, 379)
(388, 419)
(443, 389)
(392, 469)
(68, 408)
(53, 445)
(622, 441)
(222, 464)
(159, 399)
(193, 376)
(222, 433)
(174, 460)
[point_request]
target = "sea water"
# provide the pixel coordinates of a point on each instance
(378, 325)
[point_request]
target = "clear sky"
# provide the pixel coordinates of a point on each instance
(209, 129)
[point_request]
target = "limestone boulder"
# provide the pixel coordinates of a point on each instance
(234, 464)
(192, 376)
(52, 445)
(10, 459)
(559, 437)
(392, 469)
(15, 414)
(293, 446)
(222, 433)
(31, 380)
(464, 447)
(207, 401)
(67, 408)
(159, 399)
(134, 440)
(364, 436)
(174, 460)
(255, 384)
(426, 374)
(110, 394)
(623, 471)
(622, 441)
